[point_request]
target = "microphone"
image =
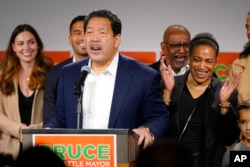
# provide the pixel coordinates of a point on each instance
(78, 85)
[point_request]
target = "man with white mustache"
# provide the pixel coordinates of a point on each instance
(175, 48)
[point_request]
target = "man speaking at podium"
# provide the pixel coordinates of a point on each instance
(117, 92)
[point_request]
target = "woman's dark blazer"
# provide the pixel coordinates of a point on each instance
(220, 131)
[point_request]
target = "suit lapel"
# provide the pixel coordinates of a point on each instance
(122, 83)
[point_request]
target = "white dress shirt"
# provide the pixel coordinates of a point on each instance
(97, 96)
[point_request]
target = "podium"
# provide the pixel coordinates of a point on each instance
(87, 147)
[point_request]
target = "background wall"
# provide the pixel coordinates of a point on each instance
(143, 21)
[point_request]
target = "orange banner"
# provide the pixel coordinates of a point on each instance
(225, 59)
(81, 150)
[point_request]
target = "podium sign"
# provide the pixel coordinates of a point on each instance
(83, 150)
(87, 148)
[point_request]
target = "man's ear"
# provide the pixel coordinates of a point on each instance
(163, 45)
(118, 39)
(69, 39)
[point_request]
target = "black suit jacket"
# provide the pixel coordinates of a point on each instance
(156, 65)
(50, 92)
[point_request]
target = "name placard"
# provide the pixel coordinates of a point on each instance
(81, 150)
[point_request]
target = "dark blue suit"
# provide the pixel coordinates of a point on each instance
(50, 92)
(137, 98)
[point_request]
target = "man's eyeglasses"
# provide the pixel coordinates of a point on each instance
(178, 46)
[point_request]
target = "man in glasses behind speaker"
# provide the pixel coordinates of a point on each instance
(175, 48)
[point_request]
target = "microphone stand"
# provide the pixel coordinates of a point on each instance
(79, 93)
(78, 90)
(79, 109)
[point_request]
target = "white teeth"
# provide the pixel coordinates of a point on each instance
(200, 72)
(26, 54)
(82, 45)
(95, 48)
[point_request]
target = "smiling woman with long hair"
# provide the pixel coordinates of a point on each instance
(22, 78)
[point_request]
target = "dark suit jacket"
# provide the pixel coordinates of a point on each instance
(50, 93)
(220, 131)
(137, 98)
(155, 65)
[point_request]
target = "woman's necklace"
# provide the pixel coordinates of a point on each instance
(196, 89)
(189, 84)
(24, 84)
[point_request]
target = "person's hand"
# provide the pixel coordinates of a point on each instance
(226, 90)
(34, 126)
(166, 75)
(229, 86)
(145, 136)
(23, 126)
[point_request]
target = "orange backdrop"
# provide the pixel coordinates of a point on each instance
(148, 57)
